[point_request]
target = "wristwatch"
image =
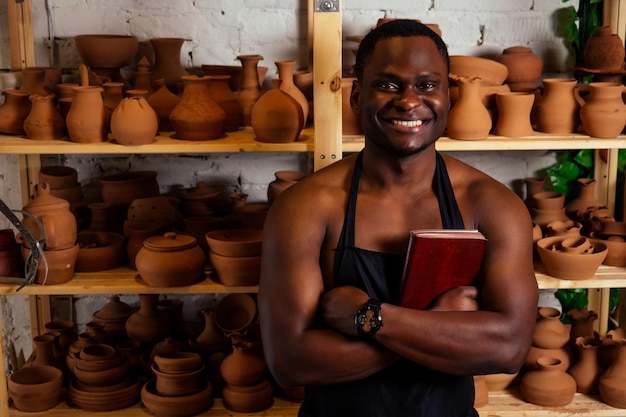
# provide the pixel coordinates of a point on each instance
(368, 320)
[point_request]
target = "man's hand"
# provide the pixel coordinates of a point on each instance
(339, 306)
(457, 299)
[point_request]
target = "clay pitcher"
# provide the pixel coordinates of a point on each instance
(612, 383)
(250, 90)
(603, 115)
(44, 122)
(514, 114)
(557, 109)
(469, 119)
(14, 111)
(86, 120)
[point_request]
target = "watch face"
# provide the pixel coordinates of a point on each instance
(368, 320)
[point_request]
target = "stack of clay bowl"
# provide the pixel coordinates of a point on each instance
(99, 251)
(102, 380)
(35, 388)
(549, 206)
(613, 235)
(571, 257)
(63, 182)
(205, 200)
(236, 255)
(180, 389)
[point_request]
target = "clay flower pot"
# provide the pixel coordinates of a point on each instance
(235, 242)
(35, 388)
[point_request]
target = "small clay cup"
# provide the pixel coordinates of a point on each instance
(36, 388)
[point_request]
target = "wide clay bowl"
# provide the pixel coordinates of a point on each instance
(234, 271)
(106, 400)
(178, 362)
(99, 251)
(183, 406)
(104, 377)
(235, 242)
(123, 188)
(235, 312)
(58, 176)
(36, 388)
(489, 71)
(570, 265)
(106, 51)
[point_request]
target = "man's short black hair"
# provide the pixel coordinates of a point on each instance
(396, 28)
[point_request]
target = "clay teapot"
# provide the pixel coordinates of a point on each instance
(603, 114)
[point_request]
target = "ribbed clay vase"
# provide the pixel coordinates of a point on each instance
(250, 90)
(286, 71)
(197, 116)
(604, 51)
(44, 122)
(603, 115)
(134, 122)
(14, 111)
(586, 370)
(225, 98)
(167, 62)
(514, 114)
(149, 324)
(585, 200)
(276, 117)
(557, 109)
(469, 119)
(163, 101)
(86, 120)
(612, 383)
(548, 386)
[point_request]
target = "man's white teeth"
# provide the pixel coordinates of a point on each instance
(407, 123)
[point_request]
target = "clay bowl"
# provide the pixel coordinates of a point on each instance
(71, 194)
(251, 216)
(182, 406)
(235, 312)
(179, 384)
(489, 71)
(249, 398)
(106, 400)
(99, 251)
(234, 71)
(178, 362)
(104, 377)
(104, 388)
(568, 265)
(235, 242)
(61, 265)
(58, 176)
(35, 388)
(106, 51)
(234, 271)
(94, 365)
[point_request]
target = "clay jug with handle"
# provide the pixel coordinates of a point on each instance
(603, 115)
(556, 110)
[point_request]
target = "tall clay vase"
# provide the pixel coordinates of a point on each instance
(276, 116)
(211, 339)
(556, 111)
(163, 101)
(86, 120)
(197, 116)
(286, 71)
(586, 370)
(250, 90)
(469, 119)
(603, 115)
(134, 122)
(514, 114)
(167, 62)
(585, 200)
(548, 386)
(549, 332)
(612, 383)
(149, 324)
(604, 51)
(44, 122)
(14, 111)
(225, 98)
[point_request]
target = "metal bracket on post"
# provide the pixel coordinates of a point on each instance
(325, 6)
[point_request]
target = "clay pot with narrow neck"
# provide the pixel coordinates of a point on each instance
(86, 120)
(163, 101)
(550, 332)
(33, 81)
(167, 62)
(286, 71)
(114, 315)
(603, 114)
(134, 122)
(582, 324)
(586, 370)
(469, 119)
(556, 111)
(604, 51)
(276, 117)
(44, 121)
(243, 366)
(250, 90)
(514, 114)
(224, 97)
(585, 199)
(548, 386)
(149, 324)
(14, 111)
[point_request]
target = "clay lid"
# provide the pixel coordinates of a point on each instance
(170, 242)
(114, 310)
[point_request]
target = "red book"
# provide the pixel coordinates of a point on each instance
(438, 260)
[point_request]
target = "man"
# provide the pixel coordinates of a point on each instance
(339, 238)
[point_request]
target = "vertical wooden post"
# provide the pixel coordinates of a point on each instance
(21, 34)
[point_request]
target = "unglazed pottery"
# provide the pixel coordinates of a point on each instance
(114, 315)
(490, 72)
(134, 122)
(514, 114)
(35, 388)
(557, 109)
(225, 98)
(59, 266)
(522, 63)
(123, 188)
(149, 324)
(282, 181)
(14, 111)
(582, 324)
(243, 366)
(234, 72)
(136, 234)
(163, 101)
(112, 95)
(86, 119)
(566, 265)
(105, 54)
(179, 384)
(235, 242)
(180, 406)
(235, 312)
(286, 69)
(603, 114)
(469, 119)
(167, 62)
(584, 200)
(212, 338)
(116, 399)
(548, 386)
(604, 51)
(586, 370)
(549, 332)
(276, 117)
(612, 383)
(233, 271)
(248, 398)
(99, 251)
(178, 362)
(44, 122)
(250, 90)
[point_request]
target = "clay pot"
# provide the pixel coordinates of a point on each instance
(469, 119)
(14, 111)
(44, 122)
(174, 308)
(162, 210)
(170, 260)
(168, 345)
(35, 388)
(136, 234)
(178, 362)
(243, 366)
(205, 200)
(522, 63)
(562, 228)
(180, 383)
(61, 264)
(584, 200)
(235, 312)
(86, 119)
(248, 398)
(199, 226)
(586, 370)
(99, 251)
(116, 399)
(104, 377)
(557, 111)
(134, 122)
(163, 101)
(114, 315)
(514, 114)
(616, 244)
(284, 180)
(225, 98)
(33, 81)
(235, 242)
(212, 338)
(582, 324)
(350, 123)
(234, 72)
(58, 176)
(604, 51)
(181, 406)
(548, 386)
(250, 90)
(571, 266)
(490, 72)
(612, 383)
(534, 185)
(233, 271)
(149, 324)
(83, 340)
(276, 117)
(285, 74)
(66, 329)
(549, 332)
(543, 217)
(549, 200)
(123, 188)
(65, 93)
(563, 354)
(603, 115)
(106, 54)
(44, 351)
(167, 62)
(197, 116)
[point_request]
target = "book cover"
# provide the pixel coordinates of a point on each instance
(438, 260)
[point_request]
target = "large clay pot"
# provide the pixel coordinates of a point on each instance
(14, 111)
(586, 370)
(134, 122)
(612, 383)
(250, 90)
(163, 101)
(286, 74)
(557, 109)
(604, 51)
(522, 63)
(44, 122)
(603, 115)
(548, 386)
(197, 116)
(167, 62)
(149, 324)
(86, 120)
(276, 116)
(469, 119)
(225, 98)
(514, 114)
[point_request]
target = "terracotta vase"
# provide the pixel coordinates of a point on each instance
(14, 111)
(65, 92)
(250, 90)
(603, 115)
(350, 123)
(604, 51)
(44, 351)
(167, 62)
(284, 180)
(585, 199)
(612, 383)
(197, 116)
(514, 114)
(163, 101)
(134, 122)
(276, 117)
(86, 120)
(67, 331)
(548, 386)
(607, 349)
(149, 324)
(243, 366)
(469, 119)
(550, 332)
(211, 339)
(112, 95)
(286, 71)
(44, 121)
(556, 111)
(586, 370)
(225, 98)
(522, 63)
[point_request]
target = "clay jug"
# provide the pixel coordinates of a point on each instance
(134, 122)
(550, 332)
(149, 324)
(548, 386)
(250, 90)
(514, 114)
(586, 370)
(612, 383)
(86, 118)
(469, 119)
(556, 111)
(212, 338)
(163, 101)
(604, 51)
(522, 63)
(350, 123)
(284, 180)
(224, 97)
(44, 122)
(197, 116)
(243, 366)
(276, 117)
(285, 74)
(14, 111)
(585, 199)
(603, 115)
(167, 62)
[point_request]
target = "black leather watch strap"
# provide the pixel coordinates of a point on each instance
(368, 320)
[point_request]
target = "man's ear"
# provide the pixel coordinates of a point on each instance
(355, 96)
